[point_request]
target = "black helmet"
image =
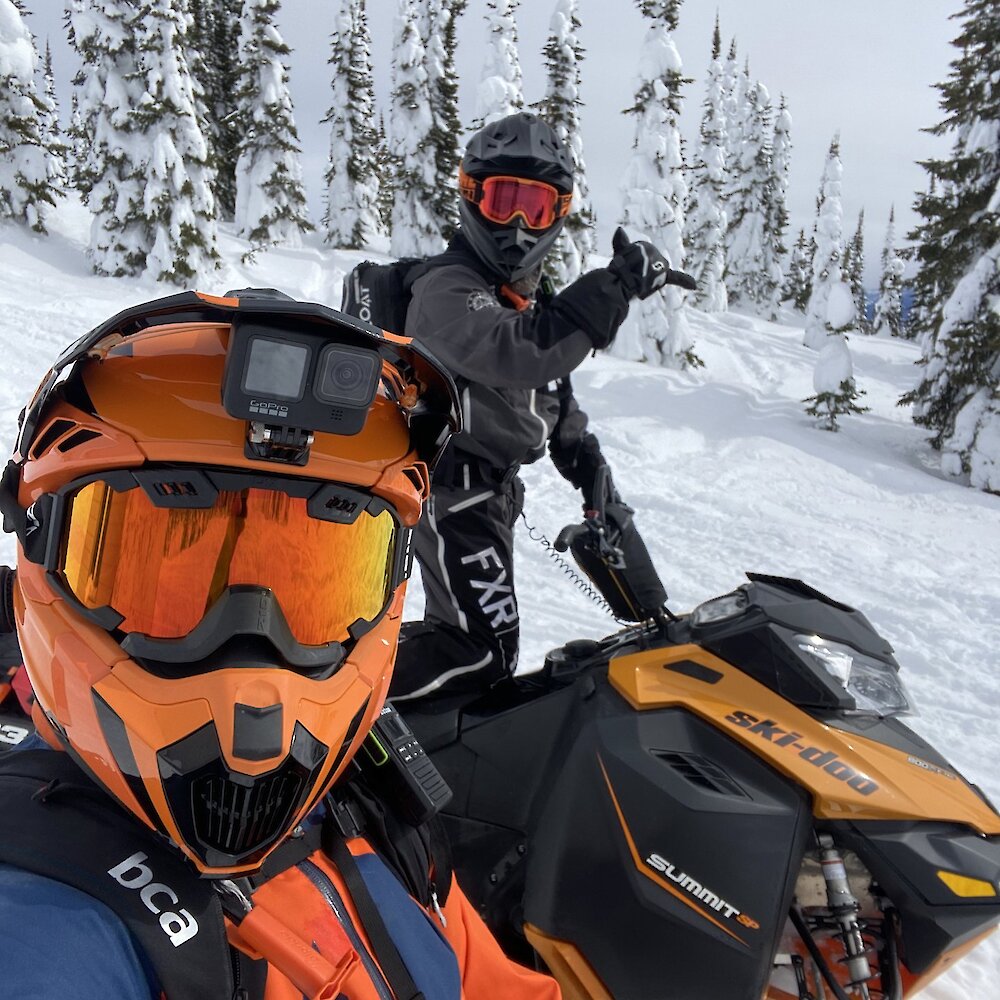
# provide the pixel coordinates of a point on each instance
(518, 146)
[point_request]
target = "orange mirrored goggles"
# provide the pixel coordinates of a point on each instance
(155, 550)
(502, 199)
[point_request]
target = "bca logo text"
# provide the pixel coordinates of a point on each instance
(178, 925)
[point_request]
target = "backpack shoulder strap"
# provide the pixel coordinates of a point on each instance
(57, 823)
(419, 856)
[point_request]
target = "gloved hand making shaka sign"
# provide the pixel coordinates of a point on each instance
(642, 268)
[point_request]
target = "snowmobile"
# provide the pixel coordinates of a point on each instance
(721, 804)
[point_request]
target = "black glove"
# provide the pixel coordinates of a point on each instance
(639, 266)
(579, 464)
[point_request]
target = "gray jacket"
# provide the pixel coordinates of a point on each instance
(507, 363)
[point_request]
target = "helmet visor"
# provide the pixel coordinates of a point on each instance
(163, 567)
(502, 199)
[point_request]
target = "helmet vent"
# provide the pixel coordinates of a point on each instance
(82, 436)
(700, 771)
(234, 818)
(50, 435)
(176, 488)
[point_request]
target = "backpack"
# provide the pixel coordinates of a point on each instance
(380, 293)
(59, 824)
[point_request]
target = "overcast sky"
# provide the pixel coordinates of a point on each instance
(863, 67)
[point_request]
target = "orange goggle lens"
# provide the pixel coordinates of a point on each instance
(163, 568)
(503, 199)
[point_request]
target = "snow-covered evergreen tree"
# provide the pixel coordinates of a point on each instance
(734, 84)
(887, 321)
(654, 190)
(833, 377)
(853, 269)
(212, 51)
(416, 231)
(958, 253)
(387, 167)
(563, 55)
(352, 216)
(707, 220)
(270, 199)
(177, 209)
(77, 156)
(28, 169)
(798, 277)
(826, 265)
(52, 135)
(500, 92)
(750, 275)
(439, 20)
(111, 168)
(775, 206)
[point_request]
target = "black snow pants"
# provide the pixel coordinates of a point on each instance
(468, 638)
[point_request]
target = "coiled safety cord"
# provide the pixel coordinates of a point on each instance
(578, 581)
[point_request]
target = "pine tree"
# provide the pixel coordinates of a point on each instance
(775, 206)
(563, 55)
(28, 170)
(654, 191)
(798, 278)
(750, 277)
(833, 377)
(854, 272)
(270, 199)
(707, 220)
(826, 265)
(387, 168)
(221, 40)
(415, 228)
(77, 157)
(888, 309)
(733, 84)
(500, 92)
(352, 218)
(440, 18)
(958, 254)
(111, 166)
(178, 209)
(52, 137)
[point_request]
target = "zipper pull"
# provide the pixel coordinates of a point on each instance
(436, 906)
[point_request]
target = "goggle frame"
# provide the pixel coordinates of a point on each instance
(477, 192)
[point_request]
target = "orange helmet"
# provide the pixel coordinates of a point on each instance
(213, 499)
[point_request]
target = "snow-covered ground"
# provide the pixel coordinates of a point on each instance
(725, 470)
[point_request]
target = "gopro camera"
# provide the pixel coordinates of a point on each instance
(299, 378)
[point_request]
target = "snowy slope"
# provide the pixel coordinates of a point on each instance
(725, 470)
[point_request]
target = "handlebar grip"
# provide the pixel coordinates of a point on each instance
(681, 279)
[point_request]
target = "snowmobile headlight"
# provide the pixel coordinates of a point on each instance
(874, 685)
(720, 609)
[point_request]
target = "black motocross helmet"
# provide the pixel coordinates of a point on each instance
(521, 145)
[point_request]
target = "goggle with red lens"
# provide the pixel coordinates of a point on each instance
(502, 199)
(182, 559)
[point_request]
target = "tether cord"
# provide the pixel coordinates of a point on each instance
(581, 584)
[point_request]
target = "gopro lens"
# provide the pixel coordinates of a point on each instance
(347, 375)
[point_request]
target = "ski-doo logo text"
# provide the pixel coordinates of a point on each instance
(133, 874)
(696, 889)
(768, 729)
